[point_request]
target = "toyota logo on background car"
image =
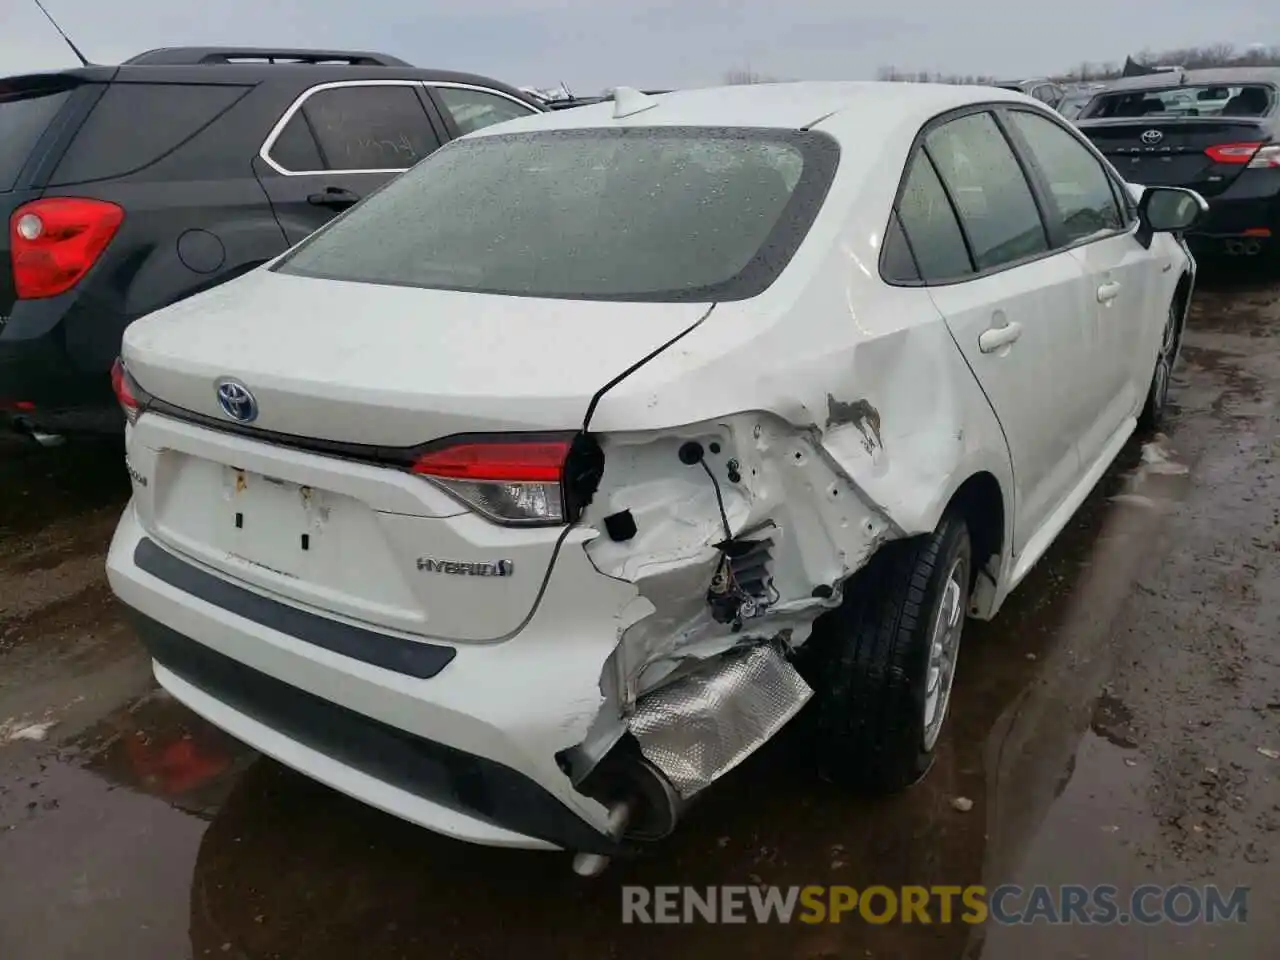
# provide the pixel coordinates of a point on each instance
(236, 401)
(1152, 136)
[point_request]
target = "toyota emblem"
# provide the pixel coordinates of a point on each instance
(236, 401)
(1152, 136)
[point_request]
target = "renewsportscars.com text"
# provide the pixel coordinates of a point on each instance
(1008, 904)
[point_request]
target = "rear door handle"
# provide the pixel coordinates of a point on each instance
(991, 340)
(1108, 292)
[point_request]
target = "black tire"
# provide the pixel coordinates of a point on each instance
(1152, 416)
(872, 671)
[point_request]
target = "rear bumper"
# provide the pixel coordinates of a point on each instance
(1249, 207)
(466, 749)
(41, 381)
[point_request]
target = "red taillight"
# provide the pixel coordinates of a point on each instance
(130, 396)
(513, 480)
(540, 461)
(1238, 153)
(54, 242)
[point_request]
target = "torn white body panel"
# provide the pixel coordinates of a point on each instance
(893, 411)
(776, 486)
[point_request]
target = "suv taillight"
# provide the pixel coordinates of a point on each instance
(513, 480)
(54, 242)
(131, 397)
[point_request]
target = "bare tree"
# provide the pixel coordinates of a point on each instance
(746, 75)
(1200, 58)
(1192, 58)
(892, 73)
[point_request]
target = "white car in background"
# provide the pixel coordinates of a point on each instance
(535, 492)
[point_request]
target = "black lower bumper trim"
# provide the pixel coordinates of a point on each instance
(411, 657)
(452, 778)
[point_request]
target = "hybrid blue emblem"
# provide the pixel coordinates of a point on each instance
(236, 401)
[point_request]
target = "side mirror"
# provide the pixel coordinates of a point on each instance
(1168, 210)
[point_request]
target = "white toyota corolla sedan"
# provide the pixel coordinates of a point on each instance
(533, 494)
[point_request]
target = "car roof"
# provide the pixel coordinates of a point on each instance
(1226, 76)
(236, 65)
(792, 105)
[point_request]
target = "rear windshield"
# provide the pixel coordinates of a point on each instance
(24, 116)
(1204, 100)
(645, 214)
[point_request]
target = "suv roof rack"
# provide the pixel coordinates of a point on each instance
(197, 56)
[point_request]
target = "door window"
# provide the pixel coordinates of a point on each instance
(983, 177)
(929, 226)
(1080, 187)
(356, 127)
(475, 109)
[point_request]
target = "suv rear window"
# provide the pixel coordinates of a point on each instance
(135, 124)
(24, 116)
(641, 214)
(1200, 100)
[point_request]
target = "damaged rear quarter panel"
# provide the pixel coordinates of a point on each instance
(836, 413)
(777, 488)
(856, 425)
(870, 372)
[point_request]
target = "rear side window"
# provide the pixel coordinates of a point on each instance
(476, 109)
(896, 263)
(23, 118)
(991, 194)
(295, 148)
(930, 226)
(632, 213)
(366, 127)
(136, 124)
(1079, 185)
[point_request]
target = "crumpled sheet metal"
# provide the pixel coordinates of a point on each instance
(703, 725)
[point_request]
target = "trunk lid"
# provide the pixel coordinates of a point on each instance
(393, 366)
(378, 366)
(1171, 153)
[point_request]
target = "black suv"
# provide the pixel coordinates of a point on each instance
(1215, 131)
(126, 188)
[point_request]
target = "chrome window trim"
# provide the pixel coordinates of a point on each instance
(264, 152)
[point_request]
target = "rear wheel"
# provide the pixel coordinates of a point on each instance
(1158, 393)
(887, 659)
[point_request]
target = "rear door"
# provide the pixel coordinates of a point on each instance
(28, 108)
(1181, 152)
(1018, 316)
(1099, 233)
(338, 143)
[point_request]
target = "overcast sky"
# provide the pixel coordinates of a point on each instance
(593, 44)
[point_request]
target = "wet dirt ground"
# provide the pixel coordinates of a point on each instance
(1107, 729)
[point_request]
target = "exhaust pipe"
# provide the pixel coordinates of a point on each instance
(645, 806)
(594, 864)
(24, 427)
(1233, 248)
(689, 733)
(1251, 248)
